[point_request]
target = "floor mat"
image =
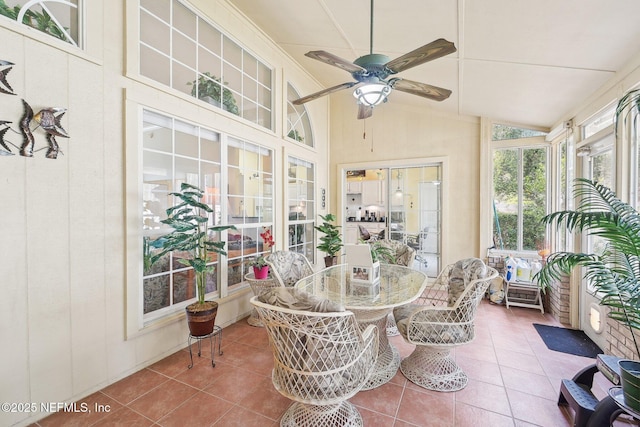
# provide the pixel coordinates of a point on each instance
(571, 341)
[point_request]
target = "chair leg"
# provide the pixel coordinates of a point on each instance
(304, 415)
(433, 368)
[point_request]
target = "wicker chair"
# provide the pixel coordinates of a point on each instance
(321, 358)
(442, 318)
(402, 255)
(288, 267)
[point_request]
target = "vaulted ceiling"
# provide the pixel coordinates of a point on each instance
(523, 62)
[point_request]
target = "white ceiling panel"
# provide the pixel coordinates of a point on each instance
(527, 62)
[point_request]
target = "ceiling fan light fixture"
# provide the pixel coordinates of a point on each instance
(372, 94)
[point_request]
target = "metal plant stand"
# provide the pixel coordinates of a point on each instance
(216, 336)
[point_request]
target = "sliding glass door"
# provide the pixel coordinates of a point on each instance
(397, 203)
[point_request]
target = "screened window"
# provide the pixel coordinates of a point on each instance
(301, 207)
(182, 50)
(298, 124)
(520, 197)
(59, 18)
(250, 204)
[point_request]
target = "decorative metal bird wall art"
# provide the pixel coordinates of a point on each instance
(49, 120)
(5, 67)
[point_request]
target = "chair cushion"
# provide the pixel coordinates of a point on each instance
(296, 299)
(435, 327)
(463, 273)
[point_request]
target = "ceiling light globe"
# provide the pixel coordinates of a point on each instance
(372, 94)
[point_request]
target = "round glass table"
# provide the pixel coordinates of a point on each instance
(370, 303)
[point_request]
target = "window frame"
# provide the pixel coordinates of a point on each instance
(534, 142)
(227, 66)
(307, 245)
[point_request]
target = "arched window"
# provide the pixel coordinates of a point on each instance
(298, 123)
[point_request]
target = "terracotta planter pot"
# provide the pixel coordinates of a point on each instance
(330, 260)
(261, 272)
(630, 380)
(201, 318)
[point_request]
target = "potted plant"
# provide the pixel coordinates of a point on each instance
(190, 234)
(259, 264)
(331, 242)
(209, 88)
(41, 21)
(382, 253)
(615, 272)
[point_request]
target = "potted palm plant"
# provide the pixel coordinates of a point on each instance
(615, 272)
(190, 234)
(331, 241)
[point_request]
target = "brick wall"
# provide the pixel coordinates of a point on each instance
(555, 299)
(619, 340)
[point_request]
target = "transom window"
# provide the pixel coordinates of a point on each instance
(182, 50)
(56, 18)
(298, 124)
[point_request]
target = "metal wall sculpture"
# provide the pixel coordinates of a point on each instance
(5, 67)
(47, 118)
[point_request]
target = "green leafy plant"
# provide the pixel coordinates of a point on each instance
(190, 233)
(331, 241)
(614, 273)
(382, 253)
(211, 86)
(294, 134)
(39, 20)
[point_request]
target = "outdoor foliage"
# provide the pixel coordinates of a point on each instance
(534, 196)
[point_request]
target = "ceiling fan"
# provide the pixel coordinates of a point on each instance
(371, 72)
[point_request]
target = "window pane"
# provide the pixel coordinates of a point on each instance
(171, 156)
(534, 198)
(503, 132)
(184, 20)
(505, 194)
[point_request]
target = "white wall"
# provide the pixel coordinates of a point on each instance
(400, 132)
(67, 270)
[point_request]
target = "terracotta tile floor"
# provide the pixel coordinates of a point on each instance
(514, 381)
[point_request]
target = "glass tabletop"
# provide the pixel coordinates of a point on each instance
(397, 285)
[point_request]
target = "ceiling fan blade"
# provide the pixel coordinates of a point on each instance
(434, 50)
(421, 89)
(323, 92)
(334, 60)
(364, 111)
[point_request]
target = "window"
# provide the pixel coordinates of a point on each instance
(520, 188)
(182, 50)
(59, 18)
(250, 204)
(174, 152)
(298, 124)
(301, 207)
